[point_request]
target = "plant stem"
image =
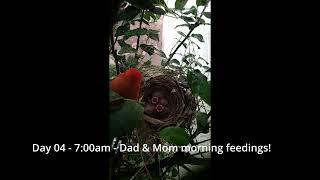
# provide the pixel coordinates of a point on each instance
(115, 54)
(138, 40)
(113, 43)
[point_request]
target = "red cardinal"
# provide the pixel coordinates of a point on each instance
(127, 84)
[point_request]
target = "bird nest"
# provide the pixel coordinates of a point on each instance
(168, 102)
(178, 106)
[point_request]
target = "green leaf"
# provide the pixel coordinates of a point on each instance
(144, 21)
(147, 48)
(150, 14)
(127, 49)
(207, 14)
(199, 85)
(152, 31)
(128, 14)
(198, 36)
(185, 60)
(163, 62)
(122, 29)
(174, 172)
(202, 122)
(187, 19)
(113, 96)
(157, 17)
(192, 10)
(181, 33)
(160, 3)
(185, 45)
(115, 100)
(124, 119)
(122, 43)
(188, 56)
(196, 45)
(112, 70)
(206, 67)
(158, 10)
(142, 4)
(147, 63)
(161, 53)
(175, 61)
(201, 21)
(180, 4)
(175, 135)
(201, 2)
(204, 60)
(153, 34)
(197, 63)
(146, 16)
(135, 32)
(180, 25)
(132, 61)
(205, 93)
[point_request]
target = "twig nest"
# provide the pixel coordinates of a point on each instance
(167, 102)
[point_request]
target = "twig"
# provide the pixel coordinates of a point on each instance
(201, 142)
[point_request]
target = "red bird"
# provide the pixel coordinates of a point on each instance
(127, 84)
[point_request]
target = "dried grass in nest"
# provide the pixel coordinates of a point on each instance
(181, 104)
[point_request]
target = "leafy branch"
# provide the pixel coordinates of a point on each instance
(197, 23)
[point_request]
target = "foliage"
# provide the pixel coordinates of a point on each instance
(125, 115)
(175, 135)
